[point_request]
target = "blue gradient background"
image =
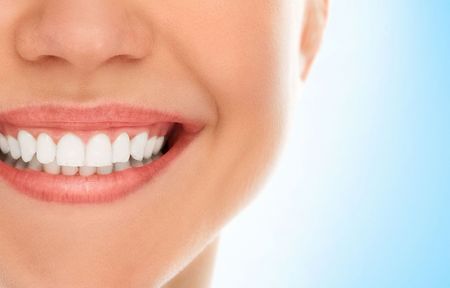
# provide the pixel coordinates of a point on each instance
(361, 196)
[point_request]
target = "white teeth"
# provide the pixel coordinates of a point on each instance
(158, 145)
(52, 168)
(149, 146)
(27, 145)
(45, 149)
(4, 144)
(105, 170)
(14, 148)
(99, 151)
(87, 170)
(34, 164)
(69, 170)
(70, 151)
(137, 146)
(121, 148)
(70, 156)
(121, 166)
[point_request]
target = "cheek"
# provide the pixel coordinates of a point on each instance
(235, 52)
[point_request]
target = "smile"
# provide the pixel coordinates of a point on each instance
(88, 155)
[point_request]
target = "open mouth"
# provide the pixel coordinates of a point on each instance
(88, 155)
(69, 154)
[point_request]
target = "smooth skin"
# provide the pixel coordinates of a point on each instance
(233, 64)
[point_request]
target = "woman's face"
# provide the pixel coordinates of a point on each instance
(228, 66)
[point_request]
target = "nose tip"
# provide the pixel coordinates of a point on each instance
(85, 34)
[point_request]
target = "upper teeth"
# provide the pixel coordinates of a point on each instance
(71, 151)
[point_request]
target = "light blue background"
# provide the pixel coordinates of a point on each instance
(361, 197)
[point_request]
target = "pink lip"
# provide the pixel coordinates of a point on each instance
(95, 188)
(91, 118)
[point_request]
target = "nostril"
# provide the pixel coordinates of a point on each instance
(49, 60)
(123, 59)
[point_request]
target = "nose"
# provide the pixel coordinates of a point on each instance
(83, 33)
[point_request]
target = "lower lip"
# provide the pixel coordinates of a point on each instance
(90, 189)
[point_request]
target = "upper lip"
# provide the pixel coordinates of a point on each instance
(92, 117)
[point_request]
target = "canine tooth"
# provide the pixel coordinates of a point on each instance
(52, 168)
(4, 144)
(70, 151)
(27, 145)
(34, 164)
(69, 170)
(45, 148)
(104, 170)
(158, 145)
(137, 146)
(14, 147)
(149, 146)
(98, 151)
(87, 170)
(121, 148)
(119, 166)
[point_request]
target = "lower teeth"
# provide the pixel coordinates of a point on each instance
(55, 169)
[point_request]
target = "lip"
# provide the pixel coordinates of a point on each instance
(95, 188)
(91, 118)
